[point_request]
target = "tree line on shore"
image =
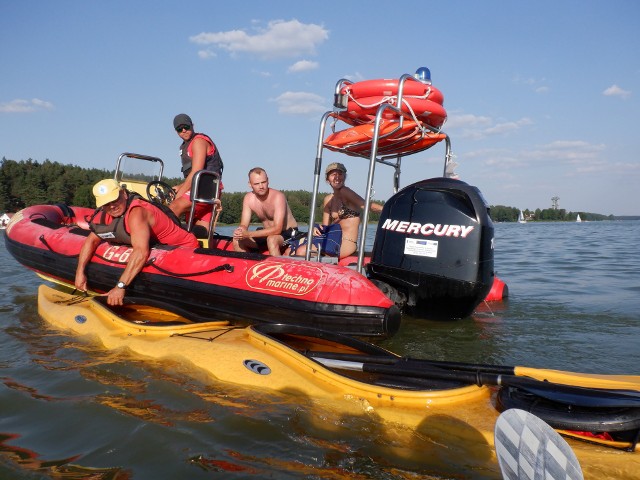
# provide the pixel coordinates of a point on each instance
(500, 213)
(29, 182)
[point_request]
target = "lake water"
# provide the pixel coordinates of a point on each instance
(69, 409)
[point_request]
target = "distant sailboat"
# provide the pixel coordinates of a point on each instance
(521, 218)
(578, 219)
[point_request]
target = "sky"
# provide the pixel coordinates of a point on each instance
(542, 97)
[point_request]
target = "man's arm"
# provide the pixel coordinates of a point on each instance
(242, 231)
(138, 223)
(86, 252)
(326, 210)
(245, 216)
(356, 199)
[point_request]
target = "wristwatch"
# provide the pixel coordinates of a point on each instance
(121, 285)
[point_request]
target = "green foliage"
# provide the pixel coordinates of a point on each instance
(29, 182)
(231, 207)
(500, 213)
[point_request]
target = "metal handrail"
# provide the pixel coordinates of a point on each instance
(339, 103)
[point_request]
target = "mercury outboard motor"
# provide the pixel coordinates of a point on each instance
(433, 250)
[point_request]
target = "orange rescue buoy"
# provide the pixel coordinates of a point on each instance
(363, 110)
(389, 88)
(393, 138)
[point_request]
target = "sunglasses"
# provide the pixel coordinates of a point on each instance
(182, 128)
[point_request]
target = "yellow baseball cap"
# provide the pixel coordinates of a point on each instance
(106, 191)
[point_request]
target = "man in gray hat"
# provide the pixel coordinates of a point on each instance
(197, 152)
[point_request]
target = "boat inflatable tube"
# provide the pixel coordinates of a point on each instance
(214, 282)
(499, 291)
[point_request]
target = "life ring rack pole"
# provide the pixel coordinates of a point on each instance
(372, 167)
(316, 178)
(341, 100)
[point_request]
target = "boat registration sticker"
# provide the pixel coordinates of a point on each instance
(421, 248)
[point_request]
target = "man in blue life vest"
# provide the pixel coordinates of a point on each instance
(197, 152)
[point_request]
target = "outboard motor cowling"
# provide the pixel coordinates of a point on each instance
(434, 246)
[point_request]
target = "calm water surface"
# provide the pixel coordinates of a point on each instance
(69, 409)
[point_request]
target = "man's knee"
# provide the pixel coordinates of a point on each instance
(180, 205)
(274, 242)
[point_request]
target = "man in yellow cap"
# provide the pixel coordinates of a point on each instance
(127, 219)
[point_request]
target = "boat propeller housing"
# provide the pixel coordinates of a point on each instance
(433, 250)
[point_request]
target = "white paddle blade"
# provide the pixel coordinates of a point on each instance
(529, 449)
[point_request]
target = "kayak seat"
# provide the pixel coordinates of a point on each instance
(562, 415)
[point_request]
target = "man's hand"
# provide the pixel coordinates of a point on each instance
(81, 281)
(116, 296)
(240, 233)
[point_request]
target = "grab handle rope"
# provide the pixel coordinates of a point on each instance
(225, 267)
(44, 241)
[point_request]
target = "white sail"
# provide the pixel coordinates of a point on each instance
(578, 219)
(521, 218)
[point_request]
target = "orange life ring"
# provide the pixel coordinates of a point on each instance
(417, 143)
(389, 88)
(364, 133)
(363, 110)
(393, 139)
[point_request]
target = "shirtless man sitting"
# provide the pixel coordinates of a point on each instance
(272, 209)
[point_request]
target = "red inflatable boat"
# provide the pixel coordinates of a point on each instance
(215, 281)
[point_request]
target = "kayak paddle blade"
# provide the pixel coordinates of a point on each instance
(528, 448)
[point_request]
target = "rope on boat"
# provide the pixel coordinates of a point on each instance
(225, 267)
(195, 336)
(83, 297)
(44, 241)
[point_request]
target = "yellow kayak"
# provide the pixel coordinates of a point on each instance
(353, 377)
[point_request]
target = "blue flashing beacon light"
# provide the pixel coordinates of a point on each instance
(423, 74)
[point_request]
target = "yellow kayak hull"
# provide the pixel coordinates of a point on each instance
(462, 417)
